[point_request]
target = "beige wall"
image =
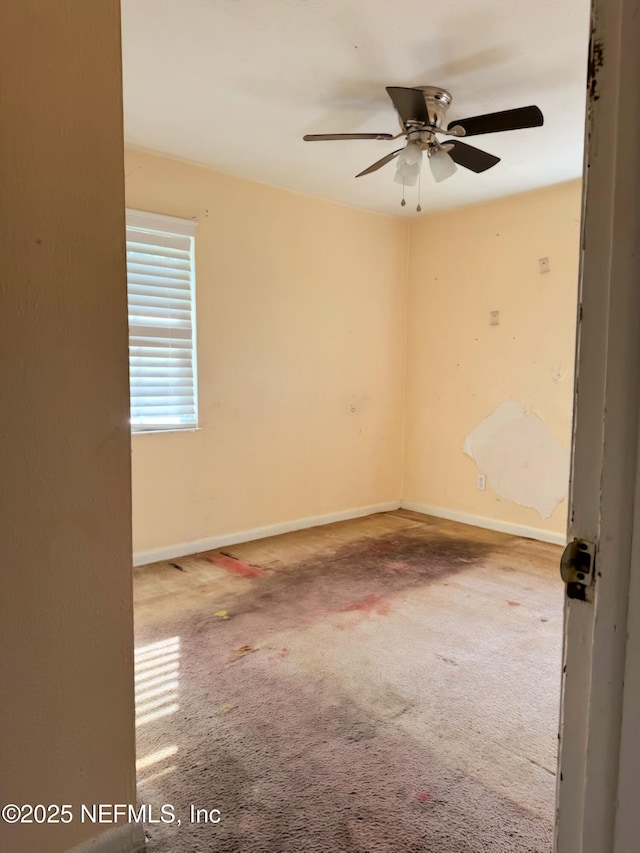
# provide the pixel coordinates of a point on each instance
(301, 308)
(66, 715)
(464, 264)
(300, 323)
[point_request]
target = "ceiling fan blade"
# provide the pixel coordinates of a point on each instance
(496, 122)
(470, 157)
(409, 103)
(324, 137)
(380, 163)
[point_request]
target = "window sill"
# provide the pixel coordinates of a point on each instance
(164, 431)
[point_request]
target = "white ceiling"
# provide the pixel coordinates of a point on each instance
(236, 83)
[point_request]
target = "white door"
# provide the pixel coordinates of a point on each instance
(598, 794)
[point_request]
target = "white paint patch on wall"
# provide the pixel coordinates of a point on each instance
(522, 459)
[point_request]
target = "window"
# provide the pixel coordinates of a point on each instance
(161, 296)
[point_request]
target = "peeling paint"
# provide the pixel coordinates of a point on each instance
(596, 61)
(522, 459)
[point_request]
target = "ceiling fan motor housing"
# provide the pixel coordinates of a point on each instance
(438, 101)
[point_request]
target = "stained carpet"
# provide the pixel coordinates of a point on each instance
(384, 685)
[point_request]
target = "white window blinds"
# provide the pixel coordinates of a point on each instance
(161, 296)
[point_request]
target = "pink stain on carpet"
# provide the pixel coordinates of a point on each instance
(236, 567)
(368, 604)
(423, 796)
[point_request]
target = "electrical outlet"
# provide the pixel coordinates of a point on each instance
(481, 482)
(494, 318)
(543, 264)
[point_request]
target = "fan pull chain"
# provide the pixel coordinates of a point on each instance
(419, 207)
(403, 202)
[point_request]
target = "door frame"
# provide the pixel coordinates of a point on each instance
(596, 811)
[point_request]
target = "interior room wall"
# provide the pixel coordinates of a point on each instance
(463, 265)
(66, 668)
(300, 325)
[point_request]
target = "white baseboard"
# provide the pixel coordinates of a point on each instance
(488, 523)
(127, 838)
(183, 549)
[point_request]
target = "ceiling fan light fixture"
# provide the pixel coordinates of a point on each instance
(407, 175)
(442, 165)
(408, 165)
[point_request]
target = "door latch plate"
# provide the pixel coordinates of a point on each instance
(577, 567)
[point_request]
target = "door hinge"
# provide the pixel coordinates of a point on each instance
(577, 567)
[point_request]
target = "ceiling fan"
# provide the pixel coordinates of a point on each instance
(422, 113)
